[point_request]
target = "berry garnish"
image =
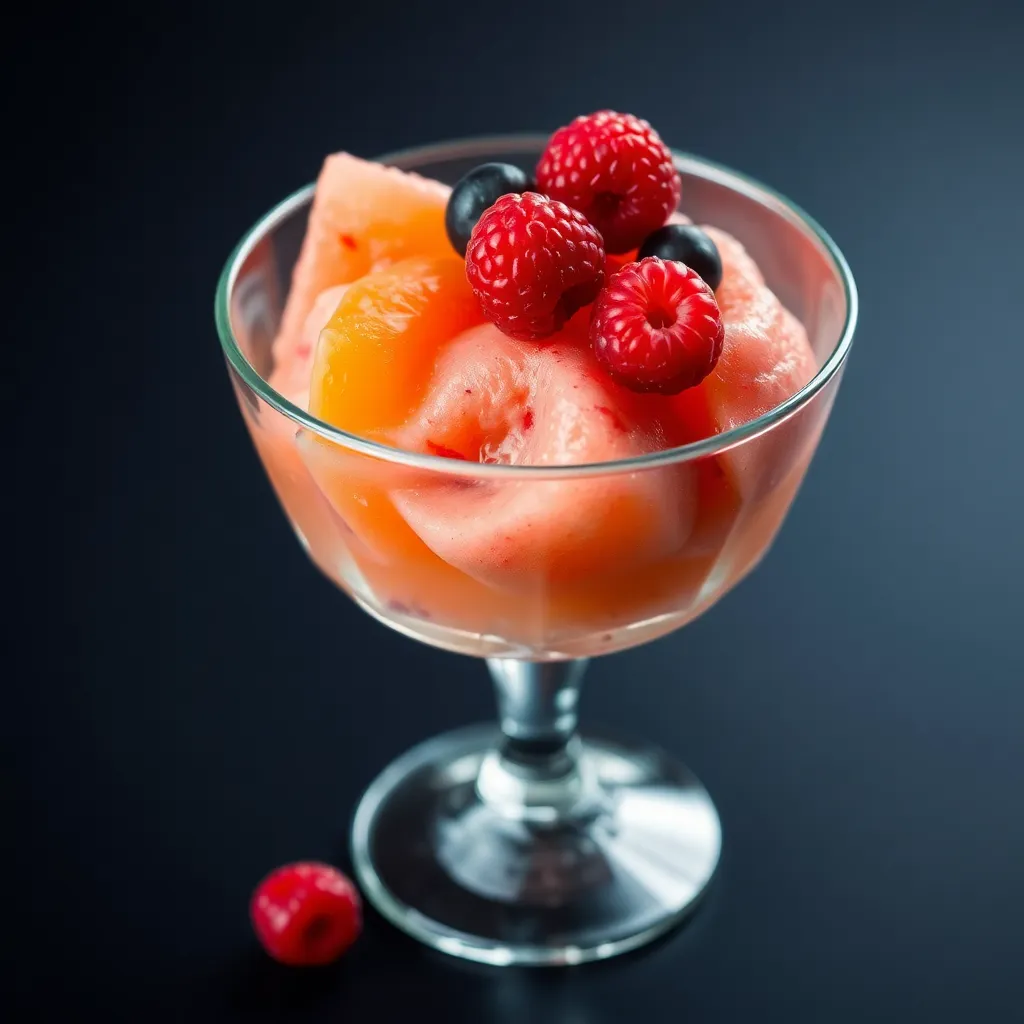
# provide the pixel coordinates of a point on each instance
(533, 262)
(306, 914)
(477, 190)
(656, 327)
(686, 243)
(616, 171)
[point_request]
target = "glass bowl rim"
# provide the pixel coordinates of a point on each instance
(494, 146)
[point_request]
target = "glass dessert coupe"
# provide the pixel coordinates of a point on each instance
(526, 843)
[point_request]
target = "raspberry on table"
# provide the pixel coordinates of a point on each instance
(616, 171)
(656, 326)
(306, 914)
(532, 262)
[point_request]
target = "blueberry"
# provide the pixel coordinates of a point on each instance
(686, 244)
(478, 190)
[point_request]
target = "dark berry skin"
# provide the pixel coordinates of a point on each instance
(475, 192)
(685, 243)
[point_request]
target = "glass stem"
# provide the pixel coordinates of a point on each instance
(535, 774)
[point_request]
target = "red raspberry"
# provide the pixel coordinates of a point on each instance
(306, 914)
(532, 262)
(656, 327)
(616, 171)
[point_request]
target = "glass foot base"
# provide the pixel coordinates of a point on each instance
(610, 871)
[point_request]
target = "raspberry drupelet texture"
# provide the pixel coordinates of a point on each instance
(616, 171)
(532, 262)
(306, 914)
(657, 327)
(475, 192)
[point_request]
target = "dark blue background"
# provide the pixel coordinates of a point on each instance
(188, 703)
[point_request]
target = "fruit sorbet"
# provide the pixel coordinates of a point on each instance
(383, 336)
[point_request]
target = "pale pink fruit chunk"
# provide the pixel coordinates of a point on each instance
(498, 400)
(363, 216)
(766, 356)
(765, 359)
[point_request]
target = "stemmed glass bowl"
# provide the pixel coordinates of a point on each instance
(523, 842)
